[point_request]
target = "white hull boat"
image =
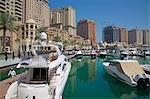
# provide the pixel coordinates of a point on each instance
(93, 54)
(128, 71)
(79, 55)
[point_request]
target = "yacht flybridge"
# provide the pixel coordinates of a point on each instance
(128, 71)
(46, 77)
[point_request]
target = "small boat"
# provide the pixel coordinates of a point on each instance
(79, 55)
(146, 52)
(146, 68)
(124, 54)
(132, 51)
(102, 53)
(47, 74)
(93, 54)
(128, 71)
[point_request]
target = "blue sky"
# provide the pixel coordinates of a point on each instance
(123, 13)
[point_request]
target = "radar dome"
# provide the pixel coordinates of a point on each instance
(43, 36)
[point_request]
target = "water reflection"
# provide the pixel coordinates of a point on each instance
(83, 71)
(87, 71)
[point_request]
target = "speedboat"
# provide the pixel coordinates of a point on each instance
(128, 71)
(93, 54)
(79, 55)
(46, 77)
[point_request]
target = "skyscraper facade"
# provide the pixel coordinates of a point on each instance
(123, 35)
(87, 30)
(115, 34)
(37, 10)
(66, 16)
(13, 7)
(146, 37)
(111, 34)
(135, 36)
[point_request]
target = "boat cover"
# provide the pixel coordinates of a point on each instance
(131, 68)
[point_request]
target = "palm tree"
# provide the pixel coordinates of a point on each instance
(39, 30)
(57, 38)
(7, 22)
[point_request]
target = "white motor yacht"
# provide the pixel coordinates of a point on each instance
(124, 54)
(46, 77)
(102, 52)
(128, 71)
(133, 51)
(79, 55)
(93, 54)
(146, 52)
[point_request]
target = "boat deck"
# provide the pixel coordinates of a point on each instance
(4, 85)
(52, 83)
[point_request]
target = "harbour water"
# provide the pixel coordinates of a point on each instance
(89, 80)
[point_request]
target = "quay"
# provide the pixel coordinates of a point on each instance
(9, 62)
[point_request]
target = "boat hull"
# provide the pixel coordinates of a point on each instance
(121, 78)
(79, 56)
(38, 91)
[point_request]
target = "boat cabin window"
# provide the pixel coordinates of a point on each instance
(36, 75)
(119, 67)
(40, 74)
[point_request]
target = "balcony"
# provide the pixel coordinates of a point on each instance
(2, 3)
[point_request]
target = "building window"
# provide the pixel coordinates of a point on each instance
(22, 28)
(27, 26)
(25, 48)
(31, 26)
(26, 34)
(23, 35)
(29, 46)
(31, 35)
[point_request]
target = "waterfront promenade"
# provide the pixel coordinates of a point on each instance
(9, 62)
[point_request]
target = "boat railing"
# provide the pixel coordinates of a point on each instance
(12, 91)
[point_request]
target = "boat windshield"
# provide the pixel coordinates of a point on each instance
(36, 76)
(46, 52)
